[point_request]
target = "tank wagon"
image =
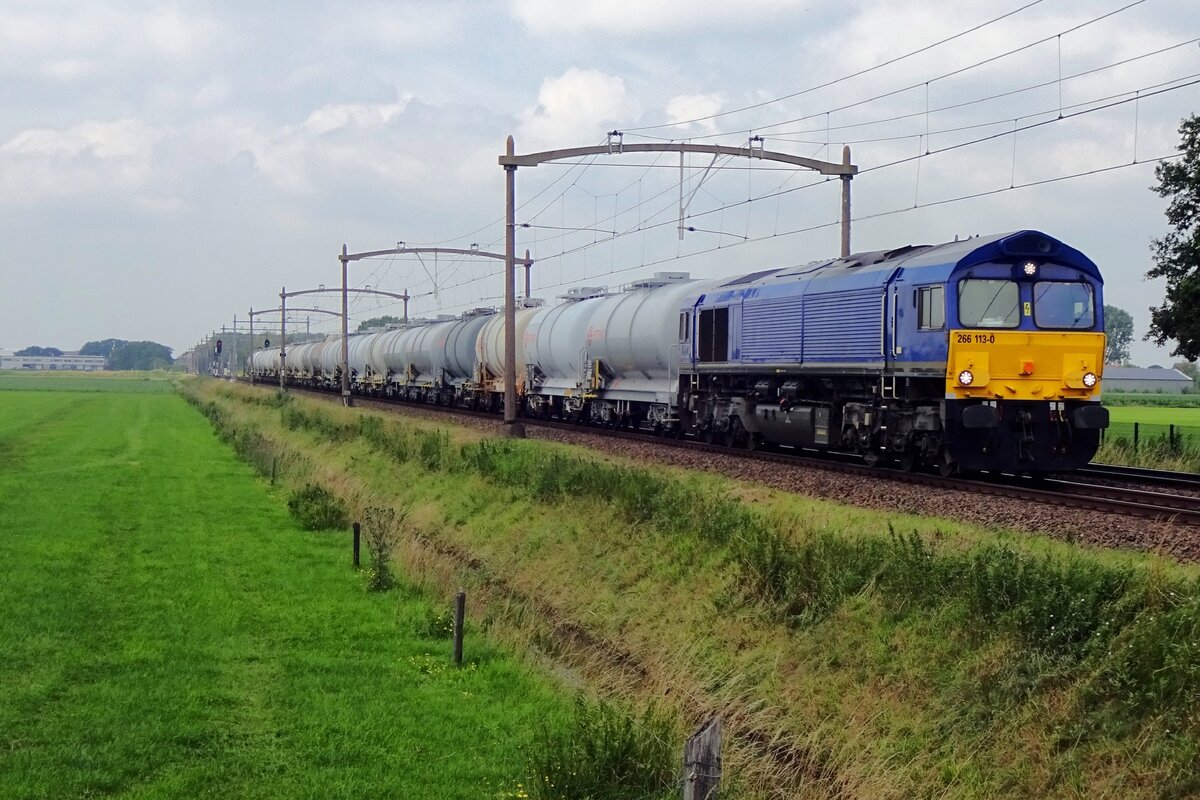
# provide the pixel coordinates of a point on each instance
(982, 354)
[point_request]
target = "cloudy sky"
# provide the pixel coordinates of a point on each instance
(167, 166)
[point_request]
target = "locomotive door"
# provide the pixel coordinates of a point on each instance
(893, 344)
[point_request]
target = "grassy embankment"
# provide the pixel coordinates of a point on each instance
(168, 631)
(849, 660)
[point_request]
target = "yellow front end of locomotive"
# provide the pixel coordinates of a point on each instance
(1024, 365)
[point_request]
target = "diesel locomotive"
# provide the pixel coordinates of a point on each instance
(980, 354)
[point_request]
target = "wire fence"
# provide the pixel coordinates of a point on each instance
(1157, 436)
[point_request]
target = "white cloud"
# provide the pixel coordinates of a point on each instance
(123, 138)
(98, 159)
(621, 17)
(354, 115)
(69, 42)
(409, 24)
(574, 109)
(684, 107)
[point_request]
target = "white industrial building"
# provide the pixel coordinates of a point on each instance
(65, 362)
(1145, 379)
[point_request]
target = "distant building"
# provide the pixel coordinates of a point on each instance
(65, 362)
(1145, 379)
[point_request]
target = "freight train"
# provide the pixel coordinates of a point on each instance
(980, 354)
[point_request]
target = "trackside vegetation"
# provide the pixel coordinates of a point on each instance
(852, 653)
(170, 630)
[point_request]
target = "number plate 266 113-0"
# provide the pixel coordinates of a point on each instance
(976, 338)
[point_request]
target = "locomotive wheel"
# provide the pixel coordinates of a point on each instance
(946, 465)
(908, 461)
(871, 458)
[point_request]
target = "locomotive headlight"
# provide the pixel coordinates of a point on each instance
(966, 377)
(1089, 379)
(1029, 268)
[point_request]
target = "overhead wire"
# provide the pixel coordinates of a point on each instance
(835, 81)
(975, 65)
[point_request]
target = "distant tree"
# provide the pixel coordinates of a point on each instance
(102, 348)
(1177, 255)
(39, 351)
(140, 356)
(379, 322)
(1189, 368)
(1118, 328)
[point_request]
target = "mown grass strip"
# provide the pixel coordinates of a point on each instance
(169, 632)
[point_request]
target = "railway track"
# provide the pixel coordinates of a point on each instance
(1076, 490)
(1149, 477)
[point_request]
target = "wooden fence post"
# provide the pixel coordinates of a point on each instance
(460, 610)
(357, 539)
(702, 762)
(1135, 437)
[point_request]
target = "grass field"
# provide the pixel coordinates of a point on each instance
(1154, 421)
(35, 380)
(168, 631)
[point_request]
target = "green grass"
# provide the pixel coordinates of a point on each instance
(124, 382)
(1188, 400)
(169, 631)
(936, 660)
(1155, 415)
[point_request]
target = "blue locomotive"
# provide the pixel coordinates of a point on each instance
(982, 354)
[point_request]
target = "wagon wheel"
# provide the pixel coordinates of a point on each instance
(734, 433)
(871, 458)
(908, 460)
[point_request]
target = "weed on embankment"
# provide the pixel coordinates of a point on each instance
(992, 666)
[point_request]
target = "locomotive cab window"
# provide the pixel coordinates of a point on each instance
(988, 303)
(1063, 304)
(713, 336)
(931, 308)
